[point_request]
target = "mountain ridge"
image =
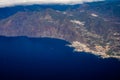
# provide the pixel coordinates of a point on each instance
(89, 27)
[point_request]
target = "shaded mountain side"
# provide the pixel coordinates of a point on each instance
(90, 27)
(8, 11)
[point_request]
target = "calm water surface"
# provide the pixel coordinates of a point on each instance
(23, 58)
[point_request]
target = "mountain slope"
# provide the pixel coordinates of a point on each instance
(90, 27)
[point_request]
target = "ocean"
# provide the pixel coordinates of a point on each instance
(23, 58)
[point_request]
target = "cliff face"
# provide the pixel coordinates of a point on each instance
(90, 27)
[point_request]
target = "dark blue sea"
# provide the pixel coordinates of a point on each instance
(23, 58)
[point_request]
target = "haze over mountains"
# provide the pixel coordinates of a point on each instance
(4, 3)
(89, 27)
